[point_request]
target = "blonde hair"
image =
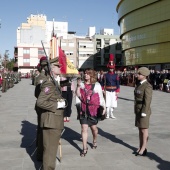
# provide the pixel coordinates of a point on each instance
(92, 74)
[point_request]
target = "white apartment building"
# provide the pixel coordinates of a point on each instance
(107, 31)
(69, 46)
(91, 31)
(29, 36)
(105, 45)
(91, 51)
(85, 52)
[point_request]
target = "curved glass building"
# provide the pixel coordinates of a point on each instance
(145, 32)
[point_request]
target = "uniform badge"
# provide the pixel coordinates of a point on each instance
(47, 90)
(138, 91)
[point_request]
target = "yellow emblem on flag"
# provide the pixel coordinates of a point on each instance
(71, 68)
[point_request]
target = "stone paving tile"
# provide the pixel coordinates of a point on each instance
(11, 164)
(116, 140)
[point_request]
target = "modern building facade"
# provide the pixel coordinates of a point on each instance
(29, 49)
(68, 45)
(85, 51)
(145, 35)
(82, 51)
(105, 45)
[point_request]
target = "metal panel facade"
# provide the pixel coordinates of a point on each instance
(145, 31)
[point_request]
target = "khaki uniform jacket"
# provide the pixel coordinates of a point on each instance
(39, 80)
(143, 98)
(51, 116)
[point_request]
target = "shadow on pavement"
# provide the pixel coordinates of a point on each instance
(28, 141)
(163, 165)
(114, 139)
(125, 99)
(71, 136)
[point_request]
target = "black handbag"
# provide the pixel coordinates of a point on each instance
(100, 115)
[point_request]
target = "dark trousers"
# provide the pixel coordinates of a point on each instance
(68, 95)
(39, 139)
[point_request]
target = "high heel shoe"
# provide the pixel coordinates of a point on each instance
(94, 145)
(65, 119)
(135, 152)
(84, 152)
(142, 154)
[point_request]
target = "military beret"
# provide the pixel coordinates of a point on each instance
(43, 60)
(144, 71)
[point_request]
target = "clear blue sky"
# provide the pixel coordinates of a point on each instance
(79, 14)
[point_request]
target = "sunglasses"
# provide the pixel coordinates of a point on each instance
(140, 73)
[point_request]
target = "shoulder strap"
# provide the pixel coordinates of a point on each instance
(93, 85)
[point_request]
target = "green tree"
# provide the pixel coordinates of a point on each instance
(10, 64)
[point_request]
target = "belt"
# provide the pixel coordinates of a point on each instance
(111, 87)
(138, 102)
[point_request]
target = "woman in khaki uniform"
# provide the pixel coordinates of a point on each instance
(143, 97)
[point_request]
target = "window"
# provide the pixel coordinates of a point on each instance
(41, 52)
(84, 55)
(63, 44)
(82, 46)
(71, 44)
(26, 60)
(67, 52)
(71, 52)
(26, 51)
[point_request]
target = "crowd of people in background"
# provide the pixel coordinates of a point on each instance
(8, 79)
(160, 80)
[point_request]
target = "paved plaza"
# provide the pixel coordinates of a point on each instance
(116, 140)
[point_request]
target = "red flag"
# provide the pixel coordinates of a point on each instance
(67, 68)
(62, 61)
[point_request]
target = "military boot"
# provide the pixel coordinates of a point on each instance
(111, 115)
(107, 112)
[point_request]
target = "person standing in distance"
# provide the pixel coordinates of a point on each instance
(111, 88)
(143, 98)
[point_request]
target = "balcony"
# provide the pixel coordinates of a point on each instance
(98, 46)
(15, 54)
